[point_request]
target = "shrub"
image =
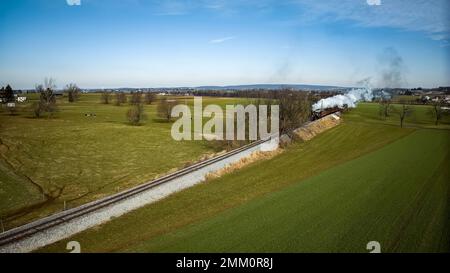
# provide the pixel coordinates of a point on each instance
(106, 97)
(135, 114)
(150, 97)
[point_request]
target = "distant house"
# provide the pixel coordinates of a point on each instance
(436, 99)
(21, 99)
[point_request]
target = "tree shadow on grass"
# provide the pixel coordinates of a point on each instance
(160, 120)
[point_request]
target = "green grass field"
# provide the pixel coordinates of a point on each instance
(73, 158)
(365, 180)
(339, 210)
(419, 118)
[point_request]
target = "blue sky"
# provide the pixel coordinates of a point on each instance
(145, 43)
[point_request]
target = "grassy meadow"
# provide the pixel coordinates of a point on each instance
(75, 159)
(365, 180)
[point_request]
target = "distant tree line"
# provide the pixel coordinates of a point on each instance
(261, 93)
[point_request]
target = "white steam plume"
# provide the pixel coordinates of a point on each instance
(349, 99)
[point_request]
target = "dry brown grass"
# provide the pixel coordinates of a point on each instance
(256, 156)
(304, 133)
(312, 129)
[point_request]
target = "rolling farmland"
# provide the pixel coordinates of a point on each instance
(364, 180)
(225, 135)
(75, 159)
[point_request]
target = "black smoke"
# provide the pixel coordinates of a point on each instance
(393, 67)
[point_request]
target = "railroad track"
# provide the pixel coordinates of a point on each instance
(16, 234)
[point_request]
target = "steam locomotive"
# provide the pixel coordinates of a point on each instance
(318, 114)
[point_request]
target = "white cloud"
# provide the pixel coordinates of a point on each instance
(73, 2)
(429, 17)
(373, 2)
(221, 40)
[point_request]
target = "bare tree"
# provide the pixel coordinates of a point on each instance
(47, 99)
(385, 107)
(436, 112)
(295, 109)
(73, 92)
(38, 107)
(121, 97)
(403, 111)
(117, 102)
(135, 114)
(150, 97)
(165, 108)
(136, 98)
(105, 97)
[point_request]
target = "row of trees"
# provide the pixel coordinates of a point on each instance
(294, 110)
(47, 98)
(257, 93)
(46, 105)
(294, 107)
(122, 98)
(405, 109)
(135, 115)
